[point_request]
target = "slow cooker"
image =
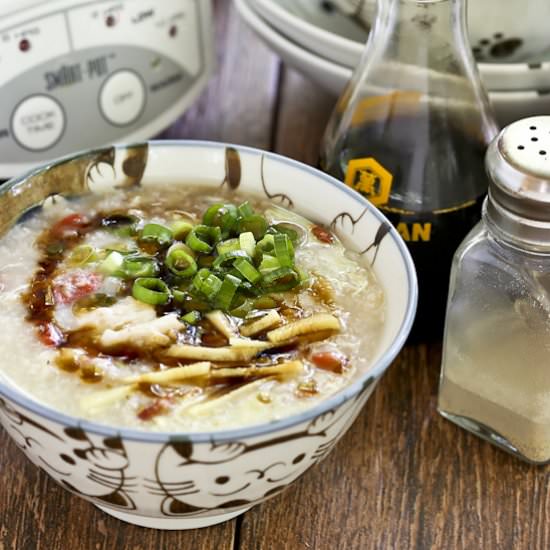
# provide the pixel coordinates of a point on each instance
(76, 74)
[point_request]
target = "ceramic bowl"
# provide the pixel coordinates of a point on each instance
(188, 480)
(508, 106)
(503, 65)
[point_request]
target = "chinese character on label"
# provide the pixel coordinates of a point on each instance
(371, 179)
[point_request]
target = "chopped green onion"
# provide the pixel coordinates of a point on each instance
(292, 234)
(82, 254)
(203, 238)
(205, 261)
(179, 296)
(227, 292)
(112, 263)
(245, 210)
(207, 283)
(229, 257)
(267, 244)
(180, 229)
(157, 233)
(247, 242)
(151, 291)
(283, 250)
(138, 266)
(224, 216)
(243, 309)
(180, 263)
(255, 223)
(192, 318)
(268, 263)
(281, 279)
(228, 246)
(213, 213)
(247, 270)
(265, 302)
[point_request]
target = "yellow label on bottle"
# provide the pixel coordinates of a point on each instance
(415, 232)
(371, 179)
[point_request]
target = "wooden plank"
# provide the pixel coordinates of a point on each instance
(239, 100)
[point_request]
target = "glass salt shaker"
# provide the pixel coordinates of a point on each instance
(495, 379)
(410, 132)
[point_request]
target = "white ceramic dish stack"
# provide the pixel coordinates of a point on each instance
(325, 45)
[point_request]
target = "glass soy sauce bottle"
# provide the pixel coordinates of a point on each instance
(410, 132)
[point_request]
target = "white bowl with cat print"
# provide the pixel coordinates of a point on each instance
(173, 480)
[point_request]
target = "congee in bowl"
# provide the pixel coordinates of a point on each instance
(182, 310)
(187, 327)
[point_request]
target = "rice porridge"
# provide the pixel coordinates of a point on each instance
(173, 310)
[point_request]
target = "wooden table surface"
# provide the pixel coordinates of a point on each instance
(402, 477)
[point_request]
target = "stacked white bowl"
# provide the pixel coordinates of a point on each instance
(510, 40)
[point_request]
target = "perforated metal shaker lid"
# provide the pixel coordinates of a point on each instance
(518, 163)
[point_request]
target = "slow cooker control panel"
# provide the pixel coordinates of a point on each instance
(76, 74)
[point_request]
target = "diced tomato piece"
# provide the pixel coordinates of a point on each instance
(329, 360)
(50, 335)
(69, 225)
(322, 234)
(72, 286)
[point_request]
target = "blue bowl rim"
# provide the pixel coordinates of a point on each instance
(236, 434)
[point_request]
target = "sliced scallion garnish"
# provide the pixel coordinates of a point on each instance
(284, 250)
(191, 318)
(138, 266)
(228, 258)
(151, 291)
(228, 246)
(157, 233)
(227, 292)
(180, 262)
(203, 238)
(112, 263)
(180, 229)
(254, 223)
(268, 263)
(247, 242)
(247, 270)
(207, 283)
(280, 280)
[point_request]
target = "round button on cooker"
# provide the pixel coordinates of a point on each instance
(38, 123)
(122, 98)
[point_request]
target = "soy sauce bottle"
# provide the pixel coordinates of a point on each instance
(410, 132)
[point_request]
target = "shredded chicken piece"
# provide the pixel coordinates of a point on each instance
(222, 323)
(171, 375)
(266, 322)
(288, 368)
(152, 334)
(124, 312)
(233, 353)
(204, 407)
(319, 322)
